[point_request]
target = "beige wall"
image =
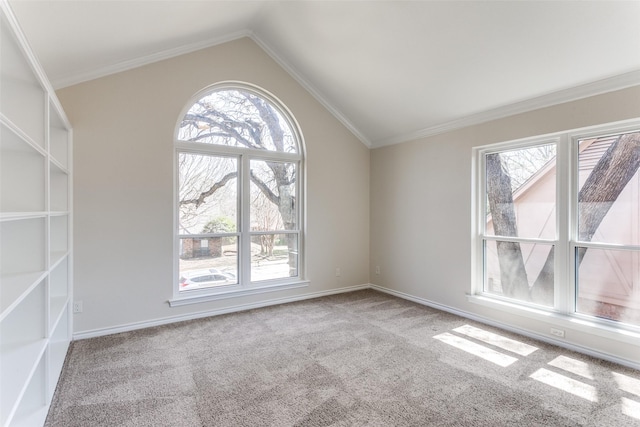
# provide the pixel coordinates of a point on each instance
(410, 214)
(123, 188)
(421, 209)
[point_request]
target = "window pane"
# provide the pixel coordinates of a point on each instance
(273, 196)
(609, 284)
(208, 262)
(522, 271)
(237, 118)
(521, 192)
(274, 256)
(208, 192)
(609, 182)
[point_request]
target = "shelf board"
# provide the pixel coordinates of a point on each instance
(56, 258)
(29, 143)
(57, 355)
(15, 288)
(36, 418)
(58, 350)
(17, 216)
(58, 213)
(56, 309)
(19, 363)
(21, 354)
(59, 168)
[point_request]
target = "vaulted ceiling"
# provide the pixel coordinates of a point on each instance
(391, 71)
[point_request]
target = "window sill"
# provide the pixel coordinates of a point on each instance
(582, 324)
(199, 297)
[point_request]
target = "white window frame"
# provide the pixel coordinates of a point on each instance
(244, 157)
(563, 313)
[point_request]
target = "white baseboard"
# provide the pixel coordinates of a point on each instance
(525, 332)
(207, 313)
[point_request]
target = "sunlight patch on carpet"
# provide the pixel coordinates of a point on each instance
(572, 365)
(496, 340)
(631, 408)
(628, 384)
(559, 381)
(481, 351)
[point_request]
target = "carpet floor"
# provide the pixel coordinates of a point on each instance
(356, 359)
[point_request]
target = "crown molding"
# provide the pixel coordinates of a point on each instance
(171, 53)
(598, 87)
(311, 89)
(610, 84)
(84, 76)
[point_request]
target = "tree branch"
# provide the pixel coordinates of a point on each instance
(226, 125)
(269, 116)
(265, 189)
(215, 187)
(604, 184)
(513, 275)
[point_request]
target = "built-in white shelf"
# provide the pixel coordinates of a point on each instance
(59, 279)
(15, 288)
(56, 309)
(59, 184)
(59, 343)
(36, 254)
(22, 182)
(58, 139)
(58, 234)
(32, 410)
(20, 82)
(22, 345)
(22, 246)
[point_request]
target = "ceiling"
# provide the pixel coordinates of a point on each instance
(391, 71)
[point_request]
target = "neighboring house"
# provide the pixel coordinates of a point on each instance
(201, 247)
(609, 279)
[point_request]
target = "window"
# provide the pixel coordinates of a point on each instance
(558, 222)
(238, 193)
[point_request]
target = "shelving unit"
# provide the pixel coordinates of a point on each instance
(36, 261)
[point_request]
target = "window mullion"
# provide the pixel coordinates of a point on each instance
(245, 221)
(480, 225)
(564, 167)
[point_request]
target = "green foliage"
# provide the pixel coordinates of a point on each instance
(221, 224)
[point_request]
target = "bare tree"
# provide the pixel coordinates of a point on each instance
(265, 217)
(604, 184)
(200, 176)
(241, 119)
(513, 275)
(523, 163)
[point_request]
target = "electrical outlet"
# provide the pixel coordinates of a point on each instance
(77, 306)
(337, 272)
(377, 269)
(557, 332)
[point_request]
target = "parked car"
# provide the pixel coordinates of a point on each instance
(204, 278)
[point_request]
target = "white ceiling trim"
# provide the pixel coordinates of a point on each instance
(309, 87)
(171, 53)
(145, 60)
(610, 84)
(586, 90)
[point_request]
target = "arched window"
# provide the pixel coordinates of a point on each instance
(238, 193)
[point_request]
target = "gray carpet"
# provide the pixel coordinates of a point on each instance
(356, 359)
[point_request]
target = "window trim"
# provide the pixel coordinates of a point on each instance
(244, 156)
(563, 312)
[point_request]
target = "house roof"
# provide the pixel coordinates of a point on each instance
(391, 71)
